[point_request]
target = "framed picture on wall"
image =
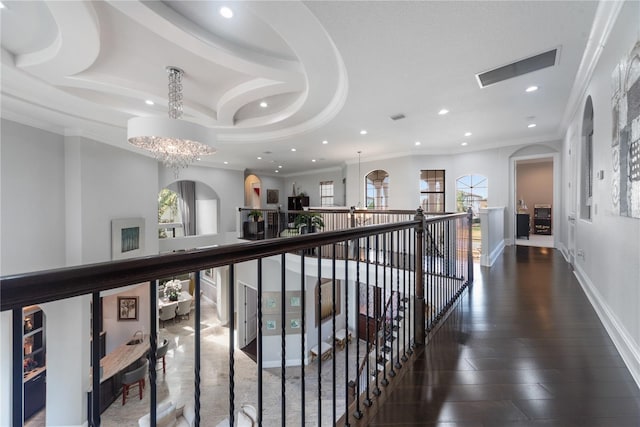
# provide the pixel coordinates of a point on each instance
(324, 300)
(127, 308)
(127, 238)
(273, 197)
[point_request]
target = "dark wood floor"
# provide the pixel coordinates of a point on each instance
(523, 348)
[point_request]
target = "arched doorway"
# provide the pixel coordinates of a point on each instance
(377, 189)
(252, 190)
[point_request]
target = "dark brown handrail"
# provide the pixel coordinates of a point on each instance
(17, 291)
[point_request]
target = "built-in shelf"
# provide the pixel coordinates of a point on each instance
(33, 360)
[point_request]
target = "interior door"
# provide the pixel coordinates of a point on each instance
(251, 314)
(573, 200)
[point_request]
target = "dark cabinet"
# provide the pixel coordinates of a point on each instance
(35, 394)
(522, 225)
(296, 203)
(542, 219)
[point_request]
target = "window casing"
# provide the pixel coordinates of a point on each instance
(326, 194)
(432, 190)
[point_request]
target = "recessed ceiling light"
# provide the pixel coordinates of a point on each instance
(276, 171)
(325, 142)
(198, 159)
(468, 134)
(148, 101)
(226, 12)
(464, 144)
(443, 111)
(2, 6)
(531, 89)
(417, 142)
(531, 125)
(363, 132)
(259, 158)
(225, 162)
(264, 104)
(293, 149)
(279, 166)
(313, 160)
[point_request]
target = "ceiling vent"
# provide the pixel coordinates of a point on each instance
(397, 117)
(518, 68)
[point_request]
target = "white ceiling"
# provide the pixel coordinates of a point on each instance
(327, 69)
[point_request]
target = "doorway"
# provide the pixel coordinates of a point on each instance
(250, 322)
(535, 201)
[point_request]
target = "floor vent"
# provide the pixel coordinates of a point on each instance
(518, 68)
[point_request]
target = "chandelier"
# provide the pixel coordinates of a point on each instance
(172, 141)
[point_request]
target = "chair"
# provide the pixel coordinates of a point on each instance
(184, 308)
(134, 378)
(168, 312)
(161, 352)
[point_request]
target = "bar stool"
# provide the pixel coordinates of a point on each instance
(134, 378)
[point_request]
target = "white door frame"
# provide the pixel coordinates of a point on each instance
(513, 197)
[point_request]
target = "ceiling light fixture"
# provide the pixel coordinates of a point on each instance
(468, 134)
(276, 171)
(259, 158)
(325, 142)
(313, 160)
(264, 104)
(531, 89)
(464, 144)
(363, 132)
(149, 102)
(226, 163)
(443, 112)
(418, 143)
(279, 166)
(531, 125)
(2, 6)
(293, 149)
(171, 141)
(226, 12)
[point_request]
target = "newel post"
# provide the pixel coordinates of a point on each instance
(470, 247)
(419, 327)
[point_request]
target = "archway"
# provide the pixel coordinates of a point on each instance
(171, 210)
(252, 190)
(377, 189)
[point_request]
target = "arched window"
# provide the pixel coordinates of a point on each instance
(377, 183)
(168, 213)
(586, 163)
(471, 192)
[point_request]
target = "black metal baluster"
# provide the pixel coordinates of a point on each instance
(404, 300)
(259, 342)
(333, 309)
(358, 413)
(283, 342)
(303, 301)
(96, 315)
(376, 313)
(392, 372)
(384, 380)
(319, 325)
(230, 313)
(367, 401)
(399, 314)
(197, 348)
(346, 328)
(153, 345)
(411, 291)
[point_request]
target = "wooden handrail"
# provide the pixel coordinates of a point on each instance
(20, 290)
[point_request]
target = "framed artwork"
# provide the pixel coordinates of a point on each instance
(271, 325)
(293, 302)
(127, 238)
(293, 323)
(127, 308)
(324, 300)
(271, 303)
(273, 197)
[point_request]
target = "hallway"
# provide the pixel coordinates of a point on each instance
(523, 348)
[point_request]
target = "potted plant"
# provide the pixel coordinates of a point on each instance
(255, 215)
(311, 222)
(172, 289)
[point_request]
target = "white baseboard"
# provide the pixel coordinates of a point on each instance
(564, 251)
(629, 351)
(487, 261)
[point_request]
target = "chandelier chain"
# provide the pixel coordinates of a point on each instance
(175, 92)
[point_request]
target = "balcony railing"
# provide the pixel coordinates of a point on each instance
(384, 286)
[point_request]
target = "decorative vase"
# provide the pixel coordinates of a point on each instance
(173, 297)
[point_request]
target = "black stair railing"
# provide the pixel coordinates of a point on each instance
(395, 261)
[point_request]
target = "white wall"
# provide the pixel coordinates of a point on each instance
(310, 184)
(33, 200)
(609, 270)
(228, 184)
(119, 332)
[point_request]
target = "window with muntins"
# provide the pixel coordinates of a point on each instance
(432, 190)
(326, 193)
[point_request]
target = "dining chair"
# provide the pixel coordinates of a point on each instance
(168, 312)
